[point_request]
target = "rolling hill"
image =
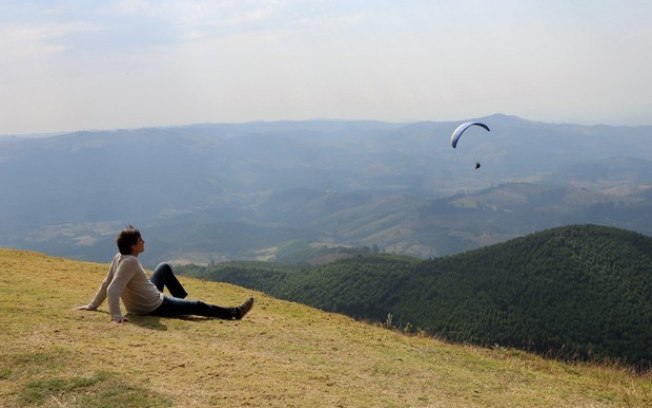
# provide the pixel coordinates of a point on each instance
(574, 292)
(230, 191)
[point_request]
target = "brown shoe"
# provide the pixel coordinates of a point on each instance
(244, 308)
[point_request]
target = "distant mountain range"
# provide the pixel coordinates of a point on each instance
(578, 292)
(241, 191)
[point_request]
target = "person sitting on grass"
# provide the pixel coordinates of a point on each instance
(142, 295)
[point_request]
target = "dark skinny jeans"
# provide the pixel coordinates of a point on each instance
(177, 305)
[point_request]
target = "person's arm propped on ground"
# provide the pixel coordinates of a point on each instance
(123, 274)
(100, 295)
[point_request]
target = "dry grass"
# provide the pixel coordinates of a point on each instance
(281, 355)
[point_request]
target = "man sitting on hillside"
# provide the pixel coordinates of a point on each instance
(142, 295)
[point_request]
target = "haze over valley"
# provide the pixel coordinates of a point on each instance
(261, 190)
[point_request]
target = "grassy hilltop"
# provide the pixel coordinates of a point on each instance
(281, 355)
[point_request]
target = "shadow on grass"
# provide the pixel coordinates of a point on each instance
(148, 322)
(156, 323)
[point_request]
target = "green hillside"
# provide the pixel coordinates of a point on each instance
(575, 292)
(281, 355)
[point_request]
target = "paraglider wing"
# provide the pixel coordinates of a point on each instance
(461, 128)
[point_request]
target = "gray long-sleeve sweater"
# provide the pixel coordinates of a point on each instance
(128, 281)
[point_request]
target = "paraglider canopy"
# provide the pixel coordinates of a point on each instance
(457, 133)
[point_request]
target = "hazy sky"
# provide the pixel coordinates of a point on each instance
(87, 64)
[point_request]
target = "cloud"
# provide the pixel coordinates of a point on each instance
(330, 21)
(19, 41)
(195, 19)
(201, 19)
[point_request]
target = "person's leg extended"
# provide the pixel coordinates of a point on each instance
(164, 277)
(181, 307)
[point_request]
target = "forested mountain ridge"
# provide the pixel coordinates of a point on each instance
(236, 191)
(574, 292)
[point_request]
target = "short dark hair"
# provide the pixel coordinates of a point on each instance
(127, 238)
